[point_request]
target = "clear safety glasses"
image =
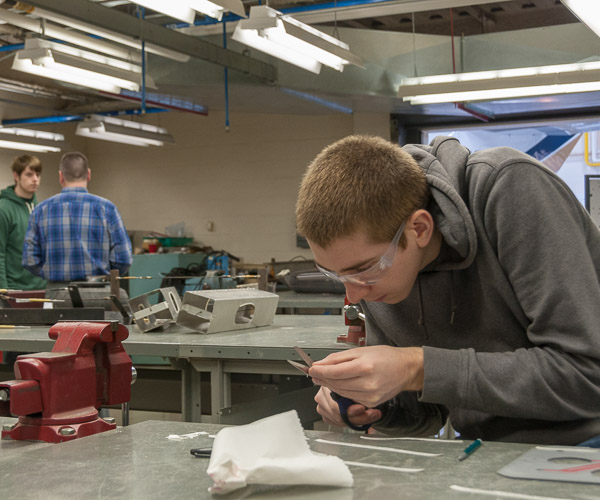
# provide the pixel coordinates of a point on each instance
(374, 273)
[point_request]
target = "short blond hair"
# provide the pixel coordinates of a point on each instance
(359, 183)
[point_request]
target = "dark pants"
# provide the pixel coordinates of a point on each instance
(591, 443)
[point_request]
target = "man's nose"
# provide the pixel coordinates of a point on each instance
(356, 293)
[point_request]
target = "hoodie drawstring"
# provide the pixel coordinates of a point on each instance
(421, 321)
(452, 298)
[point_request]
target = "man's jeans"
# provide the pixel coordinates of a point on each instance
(591, 443)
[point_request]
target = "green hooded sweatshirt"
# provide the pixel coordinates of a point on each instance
(14, 216)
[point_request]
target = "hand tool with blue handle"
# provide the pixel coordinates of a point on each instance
(342, 402)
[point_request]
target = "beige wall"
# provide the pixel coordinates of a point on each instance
(244, 181)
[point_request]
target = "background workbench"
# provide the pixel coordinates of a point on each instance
(291, 302)
(252, 351)
(139, 462)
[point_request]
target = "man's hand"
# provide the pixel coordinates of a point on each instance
(369, 375)
(357, 414)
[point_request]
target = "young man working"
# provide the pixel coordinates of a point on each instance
(75, 234)
(484, 308)
(16, 203)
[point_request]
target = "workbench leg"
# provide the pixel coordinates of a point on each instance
(191, 409)
(220, 389)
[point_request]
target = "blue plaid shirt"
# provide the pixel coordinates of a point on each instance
(75, 234)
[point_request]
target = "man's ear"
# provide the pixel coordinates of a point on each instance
(16, 177)
(421, 222)
(89, 175)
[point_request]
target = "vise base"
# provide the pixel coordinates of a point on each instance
(55, 433)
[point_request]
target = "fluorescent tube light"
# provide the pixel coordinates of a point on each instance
(588, 12)
(110, 35)
(281, 36)
(80, 67)
(26, 139)
(495, 94)
(107, 128)
(502, 84)
(83, 40)
(185, 10)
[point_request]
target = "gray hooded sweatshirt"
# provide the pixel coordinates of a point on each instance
(508, 314)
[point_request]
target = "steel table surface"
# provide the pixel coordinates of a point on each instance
(139, 462)
(259, 350)
(291, 301)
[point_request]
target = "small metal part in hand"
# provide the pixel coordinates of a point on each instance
(305, 357)
(302, 368)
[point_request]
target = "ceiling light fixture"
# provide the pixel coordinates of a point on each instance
(108, 128)
(587, 12)
(83, 40)
(281, 36)
(73, 65)
(502, 84)
(26, 139)
(185, 10)
(89, 28)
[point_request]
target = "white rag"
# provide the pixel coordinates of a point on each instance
(273, 450)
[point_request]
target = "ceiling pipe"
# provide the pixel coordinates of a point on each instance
(161, 100)
(11, 47)
(74, 118)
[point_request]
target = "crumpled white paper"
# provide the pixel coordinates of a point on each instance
(272, 450)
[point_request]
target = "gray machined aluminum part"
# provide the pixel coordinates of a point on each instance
(556, 463)
(212, 311)
(149, 316)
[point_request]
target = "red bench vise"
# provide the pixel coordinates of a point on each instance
(354, 318)
(56, 394)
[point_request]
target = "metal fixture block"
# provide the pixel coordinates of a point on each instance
(212, 311)
(148, 316)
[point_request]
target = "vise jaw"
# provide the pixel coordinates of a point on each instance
(56, 394)
(354, 319)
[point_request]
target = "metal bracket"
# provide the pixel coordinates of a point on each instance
(119, 307)
(75, 296)
(211, 311)
(161, 315)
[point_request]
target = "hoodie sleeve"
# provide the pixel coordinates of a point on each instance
(404, 415)
(548, 250)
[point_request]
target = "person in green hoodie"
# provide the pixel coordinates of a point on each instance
(16, 204)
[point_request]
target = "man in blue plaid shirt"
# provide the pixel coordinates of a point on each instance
(75, 234)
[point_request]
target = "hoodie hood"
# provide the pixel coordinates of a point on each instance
(9, 194)
(444, 163)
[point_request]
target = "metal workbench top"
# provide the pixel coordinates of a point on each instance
(139, 462)
(294, 300)
(315, 333)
